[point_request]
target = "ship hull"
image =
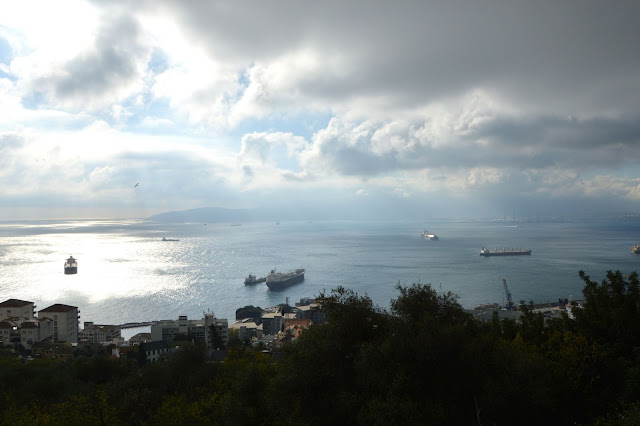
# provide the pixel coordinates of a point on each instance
(278, 285)
(506, 253)
(70, 270)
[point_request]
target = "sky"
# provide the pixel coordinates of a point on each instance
(333, 109)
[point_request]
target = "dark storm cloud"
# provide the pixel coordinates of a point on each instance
(560, 55)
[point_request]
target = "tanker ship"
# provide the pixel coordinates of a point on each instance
(280, 280)
(486, 252)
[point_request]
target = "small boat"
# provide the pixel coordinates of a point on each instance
(252, 279)
(486, 252)
(169, 239)
(426, 235)
(71, 266)
(635, 249)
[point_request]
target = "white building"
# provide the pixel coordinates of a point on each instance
(65, 322)
(99, 333)
(17, 308)
(195, 330)
(14, 331)
(247, 330)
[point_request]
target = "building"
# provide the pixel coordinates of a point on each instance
(154, 350)
(247, 329)
(59, 351)
(272, 323)
(19, 331)
(139, 338)
(294, 327)
(17, 308)
(193, 330)
(311, 311)
(65, 322)
(99, 333)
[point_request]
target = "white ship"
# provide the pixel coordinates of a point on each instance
(426, 235)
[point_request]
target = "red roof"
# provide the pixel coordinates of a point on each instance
(59, 308)
(14, 303)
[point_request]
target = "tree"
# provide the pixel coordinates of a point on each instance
(611, 311)
(234, 339)
(249, 311)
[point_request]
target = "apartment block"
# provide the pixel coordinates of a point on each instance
(19, 331)
(65, 321)
(99, 333)
(195, 330)
(17, 308)
(272, 323)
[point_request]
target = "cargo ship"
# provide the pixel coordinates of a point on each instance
(486, 252)
(252, 279)
(71, 266)
(278, 280)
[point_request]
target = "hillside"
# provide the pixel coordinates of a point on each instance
(212, 215)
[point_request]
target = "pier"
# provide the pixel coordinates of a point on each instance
(138, 324)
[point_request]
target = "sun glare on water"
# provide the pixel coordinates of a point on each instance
(109, 266)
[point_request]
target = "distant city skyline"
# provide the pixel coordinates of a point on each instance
(371, 110)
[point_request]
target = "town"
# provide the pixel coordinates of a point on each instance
(54, 332)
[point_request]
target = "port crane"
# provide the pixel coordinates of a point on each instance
(507, 293)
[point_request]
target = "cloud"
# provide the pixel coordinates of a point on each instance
(261, 146)
(107, 71)
(231, 104)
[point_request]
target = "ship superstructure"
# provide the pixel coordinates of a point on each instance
(71, 266)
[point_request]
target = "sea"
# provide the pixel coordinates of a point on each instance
(127, 273)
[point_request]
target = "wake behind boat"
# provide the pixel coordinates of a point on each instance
(486, 252)
(278, 280)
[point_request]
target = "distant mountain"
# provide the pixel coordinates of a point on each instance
(212, 215)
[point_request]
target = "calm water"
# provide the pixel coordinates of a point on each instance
(126, 273)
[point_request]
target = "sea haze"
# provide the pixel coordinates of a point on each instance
(127, 273)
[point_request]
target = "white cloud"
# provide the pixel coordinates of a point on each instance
(213, 102)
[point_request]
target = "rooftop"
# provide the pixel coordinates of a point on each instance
(14, 303)
(58, 307)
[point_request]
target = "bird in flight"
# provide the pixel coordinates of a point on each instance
(138, 183)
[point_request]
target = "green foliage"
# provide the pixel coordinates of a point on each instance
(234, 339)
(611, 312)
(249, 311)
(425, 361)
